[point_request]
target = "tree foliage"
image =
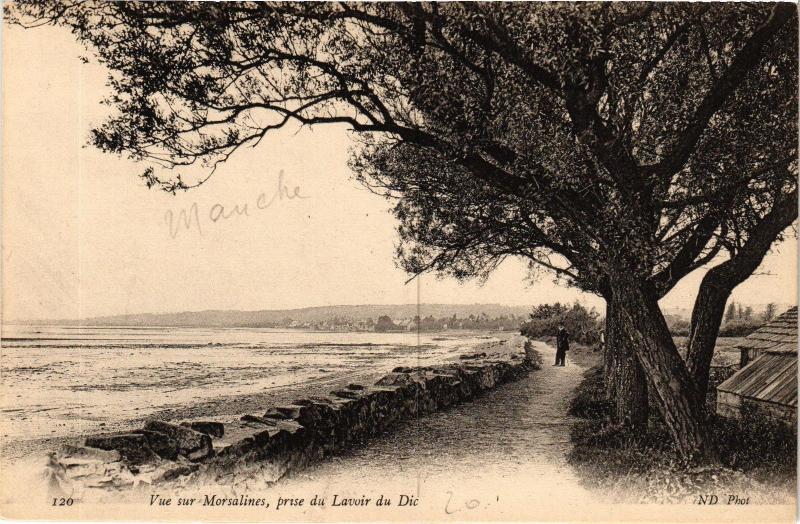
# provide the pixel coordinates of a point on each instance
(770, 311)
(581, 322)
(730, 313)
(636, 135)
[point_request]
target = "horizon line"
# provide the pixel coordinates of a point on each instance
(94, 317)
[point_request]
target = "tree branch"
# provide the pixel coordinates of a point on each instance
(748, 57)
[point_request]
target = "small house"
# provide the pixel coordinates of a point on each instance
(767, 381)
(778, 335)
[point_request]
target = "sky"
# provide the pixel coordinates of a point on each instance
(83, 236)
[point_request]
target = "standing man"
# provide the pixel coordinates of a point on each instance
(562, 345)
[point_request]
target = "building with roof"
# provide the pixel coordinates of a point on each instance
(778, 335)
(767, 381)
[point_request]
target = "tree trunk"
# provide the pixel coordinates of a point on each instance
(709, 308)
(626, 384)
(720, 281)
(643, 325)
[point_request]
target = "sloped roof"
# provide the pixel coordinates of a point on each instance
(777, 336)
(772, 377)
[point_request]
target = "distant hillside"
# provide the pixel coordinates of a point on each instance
(269, 318)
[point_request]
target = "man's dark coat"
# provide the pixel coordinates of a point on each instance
(562, 340)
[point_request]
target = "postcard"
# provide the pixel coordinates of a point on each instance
(403, 261)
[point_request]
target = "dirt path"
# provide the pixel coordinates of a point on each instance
(503, 455)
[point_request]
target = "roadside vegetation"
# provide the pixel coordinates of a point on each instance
(755, 455)
(582, 323)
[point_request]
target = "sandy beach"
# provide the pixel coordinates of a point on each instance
(103, 380)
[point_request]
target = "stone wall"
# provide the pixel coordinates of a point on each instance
(284, 438)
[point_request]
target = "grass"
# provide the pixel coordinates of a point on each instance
(533, 356)
(725, 351)
(756, 455)
(590, 401)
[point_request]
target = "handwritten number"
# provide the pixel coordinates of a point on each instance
(447, 506)
(470, 504)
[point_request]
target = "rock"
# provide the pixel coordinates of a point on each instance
(81, 454)
(284, 412)
(213, 429)
(257, 420)
(350, 419)
(289, 436)
(132, 446)
(321, 418)
(386, 405)
(297, 432)
(346, 393)
(486, 376)
(469, 383)
(164, 445)
(473, 356)
(262, 438)
(398, 379)
(191, 444)
(174, 471)
(274, 414)
(237, 449)
(444, 388)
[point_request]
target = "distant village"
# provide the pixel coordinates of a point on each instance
(384, 323)
(739, 320)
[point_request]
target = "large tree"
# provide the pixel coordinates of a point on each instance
(621, 146)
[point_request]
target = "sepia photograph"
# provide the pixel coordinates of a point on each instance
(399, 261)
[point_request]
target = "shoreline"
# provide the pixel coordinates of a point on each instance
(231, 407)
